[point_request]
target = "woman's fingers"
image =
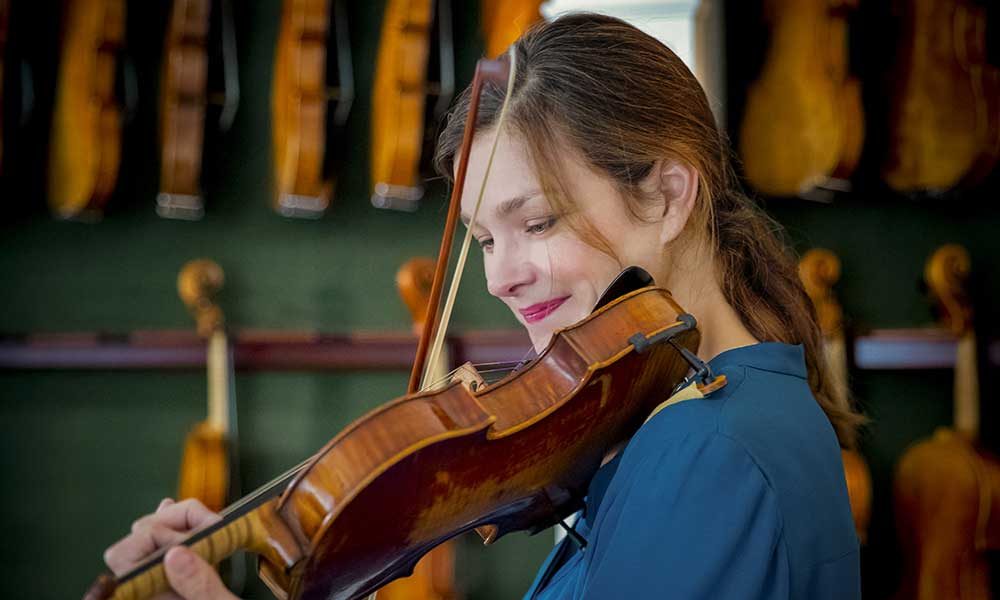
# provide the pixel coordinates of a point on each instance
(169, 525)
(186, 515)
(192, 578)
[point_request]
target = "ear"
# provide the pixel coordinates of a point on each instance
(678, 187)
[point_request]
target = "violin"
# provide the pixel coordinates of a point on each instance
(210, 463)
(208, 471)
(947, 488)
(403, 118)
(184, 98)
(819, 269)
(309, 72)
(944, 125)
(85, 144)
(804, 121)
(514, 455)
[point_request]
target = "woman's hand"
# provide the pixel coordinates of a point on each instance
(189, 575)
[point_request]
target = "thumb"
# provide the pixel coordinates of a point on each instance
(193, 578)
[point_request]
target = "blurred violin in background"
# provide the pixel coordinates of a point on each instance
(414, 84)
(947, 488)
(86, 140)
(309, 72)
(185, 97)
(210, 464)
(804, 121)
(819, 270)
(944, 126)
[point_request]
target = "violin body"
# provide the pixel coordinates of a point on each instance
(804, 121)
(401, 107)
(516, 456)
(204, 472)
(945, 121)
(85, 147)
(184, 85)
(947, 502)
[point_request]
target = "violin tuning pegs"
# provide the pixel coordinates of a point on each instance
(489, 533)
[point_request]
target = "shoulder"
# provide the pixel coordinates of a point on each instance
(766, 419)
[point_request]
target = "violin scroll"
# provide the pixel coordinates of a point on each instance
(198, 283)
(946, 274)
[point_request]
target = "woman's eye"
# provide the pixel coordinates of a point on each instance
(541, 226)
(485, 243)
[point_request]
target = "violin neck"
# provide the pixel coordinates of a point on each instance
(214, 544)
(219, 380)
(966, 387)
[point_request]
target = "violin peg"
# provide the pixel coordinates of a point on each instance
(489, 533)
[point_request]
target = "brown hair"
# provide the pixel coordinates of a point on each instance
(623, 100)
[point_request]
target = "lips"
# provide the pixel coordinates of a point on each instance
(537, 312)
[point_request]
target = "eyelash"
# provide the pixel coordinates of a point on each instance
(536, 229)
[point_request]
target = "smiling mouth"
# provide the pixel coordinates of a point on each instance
(537, 312)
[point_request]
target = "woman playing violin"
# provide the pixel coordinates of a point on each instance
(610, 157)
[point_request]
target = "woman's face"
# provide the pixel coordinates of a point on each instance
(535, 263)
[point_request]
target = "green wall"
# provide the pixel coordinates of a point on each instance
(85, 453)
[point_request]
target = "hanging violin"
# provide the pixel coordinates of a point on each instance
(309, 72)
(416, 40)
(184, 99)
(944, 125)
(947, 488)
(85, 145)
(819, 269)
(514, 455)
(804, 121)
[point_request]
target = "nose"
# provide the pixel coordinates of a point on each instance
(508, 271)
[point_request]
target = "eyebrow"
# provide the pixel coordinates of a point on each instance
(507, 206)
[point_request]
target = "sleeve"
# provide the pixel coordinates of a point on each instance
(694, 519)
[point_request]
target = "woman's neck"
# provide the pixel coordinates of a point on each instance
(695, 287)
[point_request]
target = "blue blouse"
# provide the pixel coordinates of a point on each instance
(737, 495)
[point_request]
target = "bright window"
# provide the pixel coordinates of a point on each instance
(670, 21)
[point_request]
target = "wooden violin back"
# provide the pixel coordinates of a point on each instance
(402, 94)
(312, 68)
(944, 127)
(804, 120)
(183, 99)
(85, 144)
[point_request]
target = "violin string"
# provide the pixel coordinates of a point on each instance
(267, 487)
